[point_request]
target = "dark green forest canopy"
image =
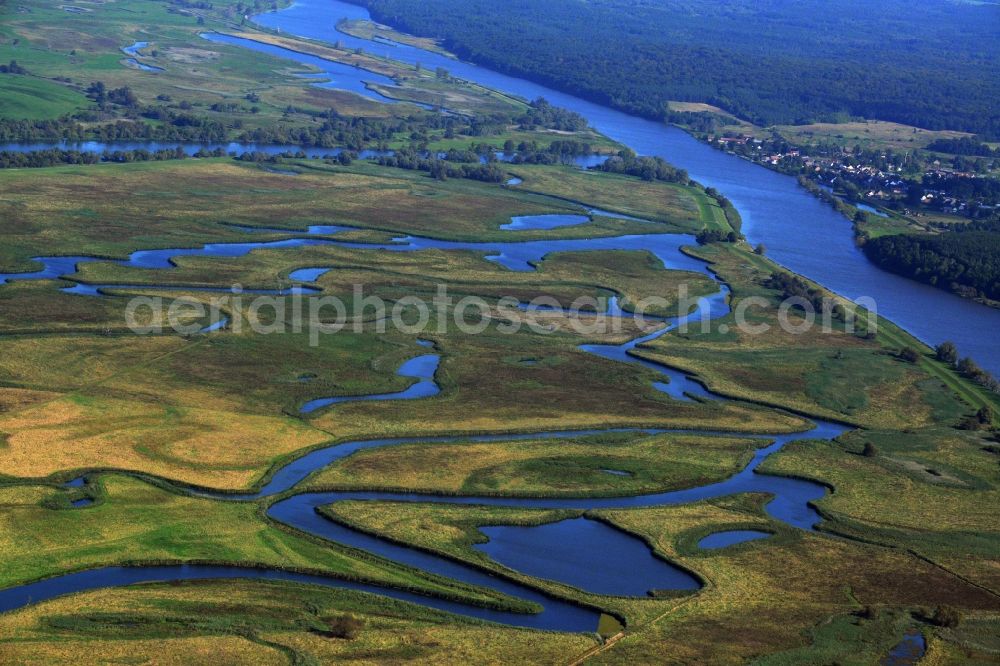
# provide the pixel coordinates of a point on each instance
(966, 261)
(930, 63)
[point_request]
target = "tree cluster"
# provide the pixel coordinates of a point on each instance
(543, 114)
(12, 68)
(986, 190)
(648, 168)
(707, 236)
(345, 627)
(557, 152)
(790, 286)
(442, 169)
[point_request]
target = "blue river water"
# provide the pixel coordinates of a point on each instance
(869, 209)
(308, 274)
(531, 222)
(133, 51)
(768, 202)
(799, 231)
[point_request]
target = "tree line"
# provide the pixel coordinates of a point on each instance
(443, 169)
(947, 352)
(118, 115)
(963, 146)
(10, 159)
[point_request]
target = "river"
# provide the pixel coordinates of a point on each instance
(799, 231)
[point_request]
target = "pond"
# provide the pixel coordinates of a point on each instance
(587, 554)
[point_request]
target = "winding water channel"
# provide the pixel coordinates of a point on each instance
(790, 503)
(787, 219)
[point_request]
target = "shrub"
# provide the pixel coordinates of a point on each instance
(867, 613)
(968, 368)
(910, 355)
(946, 616)
(947, 353)
(346, 627)
(981, 420)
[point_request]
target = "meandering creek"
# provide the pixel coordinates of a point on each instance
(133, 61)
(790, 503)
(515, 255)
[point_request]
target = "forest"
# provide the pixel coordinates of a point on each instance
(768, 62)
(966, 261)
(963, 146)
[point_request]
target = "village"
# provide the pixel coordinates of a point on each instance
(913, 183)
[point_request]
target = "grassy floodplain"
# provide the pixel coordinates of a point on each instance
(908, 525)
(27, 98)
(57, 211)
(187, 205)
(818, 578)
(97, 407)
(873, 134)
(190, 387)
(546, 468)
(261, 623)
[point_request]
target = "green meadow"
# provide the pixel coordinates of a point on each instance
(21, 97)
